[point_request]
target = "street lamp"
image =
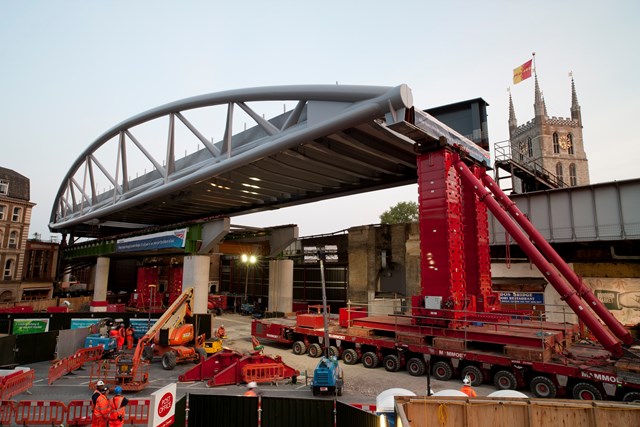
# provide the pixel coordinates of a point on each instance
(247, 260)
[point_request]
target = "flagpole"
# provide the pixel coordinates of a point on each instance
(535, 71)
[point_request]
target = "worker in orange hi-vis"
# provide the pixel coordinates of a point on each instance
(251, 389)
(221, 332)
(117, 408)
(257, 347)
(121, 337)
(129, 337)
(113, 333)
(100, 406)
(467, 389)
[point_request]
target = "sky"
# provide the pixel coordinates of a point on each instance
(73, 69)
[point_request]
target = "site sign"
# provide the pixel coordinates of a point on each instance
(532, 298)
(29, 326)
(163, 406)
(162, 240)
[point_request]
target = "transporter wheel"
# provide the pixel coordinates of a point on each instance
(586, 391)
(147, 353)
(314, 350)
(333, 351)
(543, 387)
(505, 380)
(169, 360)
(202, 355)
(474, 373)
(632, 396)
(350, 356)
(299, 348)
(370, 360)
(391, 363)
(416, 367)
(442, 371)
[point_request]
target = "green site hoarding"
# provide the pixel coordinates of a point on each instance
(29, 326)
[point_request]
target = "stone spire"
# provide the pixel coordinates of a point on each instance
(513, 123)
(575, 107)
(538, 106)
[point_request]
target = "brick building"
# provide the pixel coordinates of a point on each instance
(15, 219)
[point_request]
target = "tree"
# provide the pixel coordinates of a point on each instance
(400, 213)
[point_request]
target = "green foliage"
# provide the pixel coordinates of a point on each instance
(400, 213)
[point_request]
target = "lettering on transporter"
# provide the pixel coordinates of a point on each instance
(337, 337)
(606, 378)
(453, 354)
(273, 336)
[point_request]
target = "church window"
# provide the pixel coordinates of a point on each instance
(559, 174)
(529, 147)
(556, 143)
(573, 178)
(570, 146)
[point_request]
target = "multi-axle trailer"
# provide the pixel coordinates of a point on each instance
(456, 326)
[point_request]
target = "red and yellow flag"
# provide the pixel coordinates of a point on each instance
(523, 72)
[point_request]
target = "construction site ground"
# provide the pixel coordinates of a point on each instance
(362, 385)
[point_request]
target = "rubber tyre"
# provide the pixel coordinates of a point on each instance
(294, 380)
(391, 363)
(339, 389)
(202, 355)
(350, 356)
(474, 373)
(505, 380)
(416, 367)
(299, 348)
(370, 360)
(314, 350)
(632, 396)
(169, 360)
(333, 351)
(147, 353)
(586, 391)
(543, 387)
(442, 371)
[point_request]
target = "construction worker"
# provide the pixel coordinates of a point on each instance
(129, 337)
(257, 347)
(251, 389)
(100, 405)
(121, 337)
(466, 387)
(221, 333)
(116, 407)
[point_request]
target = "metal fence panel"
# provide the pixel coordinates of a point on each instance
(348, 415)
(36, 347)
(286, 412)
(7, 355)
(212, 410)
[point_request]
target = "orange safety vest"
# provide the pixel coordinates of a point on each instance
(468, 390)
(116, 416)
(100, 411)
(250, 393)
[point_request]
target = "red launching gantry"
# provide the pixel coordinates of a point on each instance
(456, 325)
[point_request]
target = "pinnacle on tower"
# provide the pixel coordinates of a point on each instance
(513, 123)
(575, 107)
(539, 107)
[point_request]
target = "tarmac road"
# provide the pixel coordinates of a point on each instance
(362, 385)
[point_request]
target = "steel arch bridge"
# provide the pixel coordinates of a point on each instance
(335, 141)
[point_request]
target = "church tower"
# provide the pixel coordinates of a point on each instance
(551, 146)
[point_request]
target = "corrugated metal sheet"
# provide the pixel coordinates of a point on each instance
(348, 415)
(601, 212)
(285, 412)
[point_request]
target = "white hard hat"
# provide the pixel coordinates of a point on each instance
(466, 381)
(252, 384)
(100, 383)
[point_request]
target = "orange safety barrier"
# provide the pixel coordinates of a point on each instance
(57, 370)
(79, 413)
(263, 372)
(16, 383)
(43, 412)
(137, 411)
(7, 408)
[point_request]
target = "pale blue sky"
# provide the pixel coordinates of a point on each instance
(73, 69)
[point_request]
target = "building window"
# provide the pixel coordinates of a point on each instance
(559, 174)
(570, 144)
(4, 186)
(13, 240)
(8, 270)
(16, 215)
(1, 239)
(573, 178)
(556, 143)
(529, 147)
(3, 209)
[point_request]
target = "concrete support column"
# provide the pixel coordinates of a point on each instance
(195, 273)
(100, 281)
(281, 285)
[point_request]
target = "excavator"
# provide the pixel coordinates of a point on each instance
(170, 338)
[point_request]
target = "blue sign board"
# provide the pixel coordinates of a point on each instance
(140, 326)
(532, 298)
(162, 240)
